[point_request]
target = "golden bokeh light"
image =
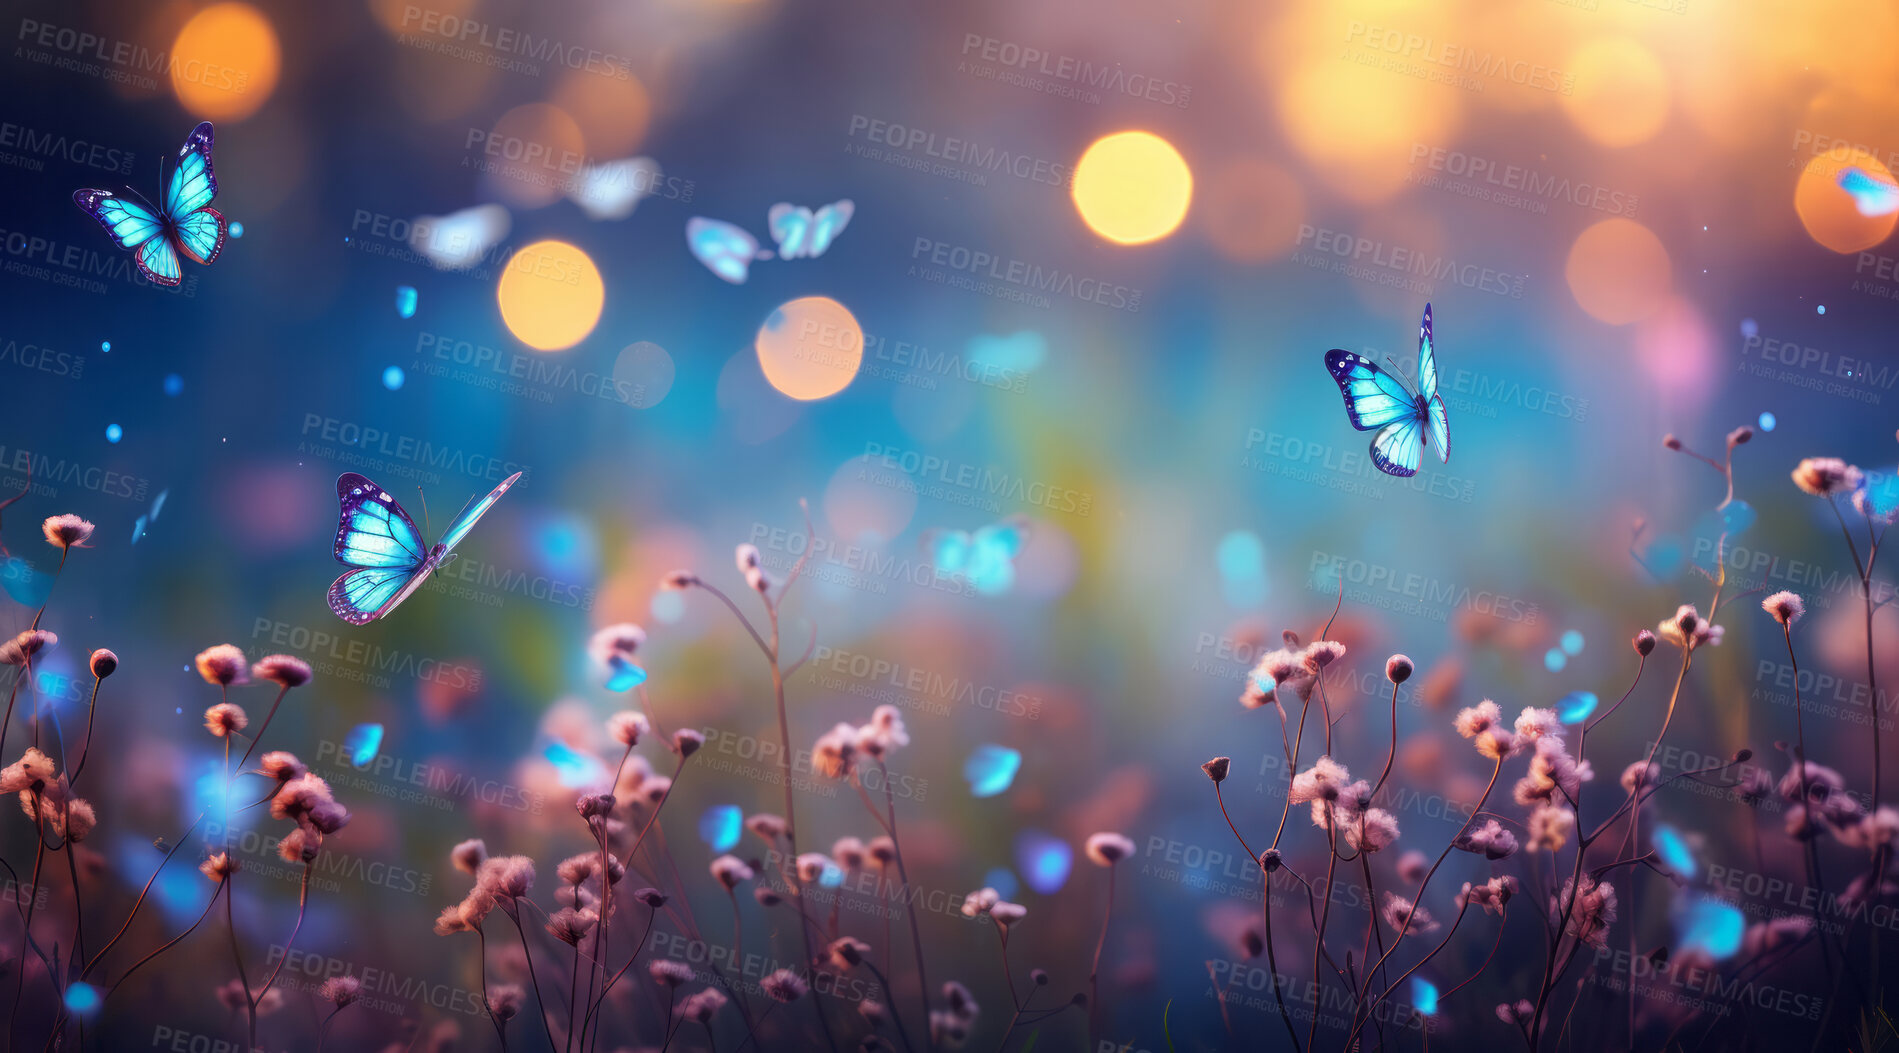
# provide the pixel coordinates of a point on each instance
(1251, 210)
(224, 62)
(1132, 187)
(550, 295)
(613, 113)
(1621, 92)
(1829, 212)
(1619, 271)
(531, 155)
(810, 348)
(1360, 123)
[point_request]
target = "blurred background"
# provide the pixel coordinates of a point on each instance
(1074, 324)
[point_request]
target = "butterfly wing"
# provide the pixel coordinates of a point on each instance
(364, 594)
(1397, 449)
(373, 530)
(201, 235)
(726, 250)
(1872, 196)
(790, 227)
(612, 190)
(466, 521)
(827, 224)
(133, 226)
(200, 230)
(1440, 428)
(1427, 359)
(1373, 397)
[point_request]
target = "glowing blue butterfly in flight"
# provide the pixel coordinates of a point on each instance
(185, 224)
(362, 744)
(1377, 400)
(986, 558)
(729, 250)
(378, 541)
(139, 525)
(1871, 195)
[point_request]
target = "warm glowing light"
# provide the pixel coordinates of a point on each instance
(550, 295)
(1361, 124)
(810, 348)
(531, 154)
(613, 114)
(224, 62)
(1619, 271)
(1621, 92)
(1828, 211)
(1132, 187)
(1251, 211)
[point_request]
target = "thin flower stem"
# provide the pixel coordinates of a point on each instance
(230, 922)
(527, 952)
(261, 728)
(85, 745)
(909, 902)
(890, 999)
(651, 914)
(303, 902)
(481, 960)
(1094, 971)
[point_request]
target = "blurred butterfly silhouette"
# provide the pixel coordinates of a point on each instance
(1375, 399)
(729, 250)
(185, 224)
(1871, 195)
(985, 558)
(378, 541)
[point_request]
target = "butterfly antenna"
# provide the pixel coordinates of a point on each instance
(426, 528)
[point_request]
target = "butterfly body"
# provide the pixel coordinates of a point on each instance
(1376, 400)
(184, 223)
(387, 558)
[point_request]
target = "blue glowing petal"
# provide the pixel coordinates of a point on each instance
(1706, 924)
(406, 298)
(1043, 860)
(625, 676)
(1424, 995)
(1575, 707)
(832, 876)
(1002, 879)
(721, 826)
(27, 587)
(1674, 850)
(362, 742)
(990, 769)
(1240, 556)
(1882, 493)
(575, 769)
(1572, 643)
(82, 998)
(174, 384)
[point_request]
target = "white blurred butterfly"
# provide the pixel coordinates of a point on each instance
(729, 250)
(614, 189)
(460, 240)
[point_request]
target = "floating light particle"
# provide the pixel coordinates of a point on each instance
(393, 378)
(237, 230)
(1554, 659)
(1424, 995)
(1572, 642)
(1767, 421)
(82, 998)
(105, 346)
(113, 433)
(1043, 860)
(174, 384)
(1575, 707)
(406, 298)
(362, 743)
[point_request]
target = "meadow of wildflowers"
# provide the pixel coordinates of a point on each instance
(1568, 903)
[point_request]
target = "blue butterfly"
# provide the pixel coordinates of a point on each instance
(1871, 195)
(186, 224)
(1375, 399)
(728, 250)
(378, 541)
